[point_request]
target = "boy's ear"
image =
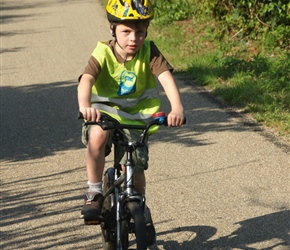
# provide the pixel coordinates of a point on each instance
(112, 29)
(113, 33)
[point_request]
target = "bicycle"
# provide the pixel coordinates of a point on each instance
(123, 209)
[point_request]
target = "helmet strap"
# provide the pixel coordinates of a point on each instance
(124, 58)
(113, 32)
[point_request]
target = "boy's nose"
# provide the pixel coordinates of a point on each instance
(133, 36)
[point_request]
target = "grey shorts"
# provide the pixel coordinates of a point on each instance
(140, 156)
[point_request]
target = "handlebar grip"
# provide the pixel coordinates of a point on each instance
(81, 116)
(166, 124)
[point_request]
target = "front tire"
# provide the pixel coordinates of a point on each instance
(137, 214)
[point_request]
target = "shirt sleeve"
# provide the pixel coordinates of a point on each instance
(93, 68)
(158, 63)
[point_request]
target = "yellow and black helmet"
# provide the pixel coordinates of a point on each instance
(129, 10)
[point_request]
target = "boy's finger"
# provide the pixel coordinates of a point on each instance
(98, 115)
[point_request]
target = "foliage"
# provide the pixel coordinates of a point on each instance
(167, 11)
(256, 19)
(253, 17)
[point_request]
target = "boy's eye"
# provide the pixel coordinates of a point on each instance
(138, 32)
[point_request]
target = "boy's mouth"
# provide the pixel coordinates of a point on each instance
(132, 47)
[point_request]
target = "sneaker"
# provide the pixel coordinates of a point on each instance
(93, 204)
(150, 229)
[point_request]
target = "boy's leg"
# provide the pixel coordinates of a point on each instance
(95, 162)
(140, 187)
(95, 154)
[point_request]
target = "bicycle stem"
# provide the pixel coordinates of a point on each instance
(129, 173)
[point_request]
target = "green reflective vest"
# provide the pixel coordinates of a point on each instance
(127, 93)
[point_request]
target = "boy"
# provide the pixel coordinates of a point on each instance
(119, 81)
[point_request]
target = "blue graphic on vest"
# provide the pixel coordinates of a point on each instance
(128, 81)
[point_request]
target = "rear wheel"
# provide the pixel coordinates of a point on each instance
(109, 225)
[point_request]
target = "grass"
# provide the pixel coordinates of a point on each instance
(251, 75)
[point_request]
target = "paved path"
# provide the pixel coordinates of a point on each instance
(213, 184)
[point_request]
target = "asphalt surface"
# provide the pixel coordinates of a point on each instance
(215, 183)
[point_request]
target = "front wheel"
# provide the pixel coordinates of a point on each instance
(137, 214)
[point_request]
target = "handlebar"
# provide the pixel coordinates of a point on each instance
(108, 123)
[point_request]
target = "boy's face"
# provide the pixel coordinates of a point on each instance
(130, 36)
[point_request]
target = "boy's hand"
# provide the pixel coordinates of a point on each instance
(91, 114)
(175, 119)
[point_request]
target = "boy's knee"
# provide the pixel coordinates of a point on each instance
(97, 137)
(97, 133)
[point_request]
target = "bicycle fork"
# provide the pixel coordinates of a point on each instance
(122, 199)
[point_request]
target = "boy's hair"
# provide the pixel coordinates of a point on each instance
(137, 24)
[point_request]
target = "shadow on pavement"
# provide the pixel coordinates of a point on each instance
(30, 217)
(38, 120)
(252, 231)
(34, 203)
(264, 228)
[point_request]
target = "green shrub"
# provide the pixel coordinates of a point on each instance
(168, 11)
(256, 19)
(253, 18)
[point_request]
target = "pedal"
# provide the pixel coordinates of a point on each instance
(92, 222)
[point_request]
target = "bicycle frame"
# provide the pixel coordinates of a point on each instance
(128, 193)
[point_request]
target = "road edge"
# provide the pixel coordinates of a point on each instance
(246, 119)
